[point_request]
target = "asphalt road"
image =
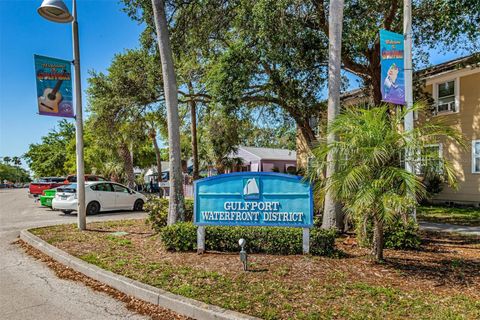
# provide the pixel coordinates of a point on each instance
(29, 289)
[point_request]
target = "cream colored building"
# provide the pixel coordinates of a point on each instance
(454, 87)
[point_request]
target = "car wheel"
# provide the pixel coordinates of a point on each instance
(67, 211)
(138, 206)
(93, 208)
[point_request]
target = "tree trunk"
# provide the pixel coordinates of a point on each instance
(307, 132)
(158, 157)
(193, 128)
(332, 215)
(176, 209)
(125, 154)
(377, 246)
(220, 168)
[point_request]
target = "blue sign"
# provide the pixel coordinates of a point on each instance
(54, 87)
(253, 199)
(392, 81)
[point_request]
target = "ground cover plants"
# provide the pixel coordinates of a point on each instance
(439, 281)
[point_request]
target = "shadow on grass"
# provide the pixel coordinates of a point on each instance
(103, 214)
(113, 231)
(452, 272)
(448, 238)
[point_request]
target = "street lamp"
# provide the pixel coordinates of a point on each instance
(243, 254)
(57, 11)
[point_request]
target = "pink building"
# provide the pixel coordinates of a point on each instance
(267, 160)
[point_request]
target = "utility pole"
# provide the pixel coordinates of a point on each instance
(408, 122)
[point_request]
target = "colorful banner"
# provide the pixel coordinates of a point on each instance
(391, 56)
(54, 87)
(253, 199)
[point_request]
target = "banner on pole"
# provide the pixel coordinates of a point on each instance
(392, 81)
(54, 87)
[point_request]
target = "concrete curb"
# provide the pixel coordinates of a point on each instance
(182, 305)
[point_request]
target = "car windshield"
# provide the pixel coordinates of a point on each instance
(50, 179)
(71, 188)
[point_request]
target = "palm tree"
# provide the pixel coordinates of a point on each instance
(176, 209)
(113, 170)
(7, 160)
(369, 179)
(332, 215)
(17, 162)
(158, 157)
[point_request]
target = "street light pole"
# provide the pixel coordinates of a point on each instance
(57, 11)
(407, 31)
(408, 121)
(81, 214)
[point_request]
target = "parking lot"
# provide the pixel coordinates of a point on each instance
(28, 287)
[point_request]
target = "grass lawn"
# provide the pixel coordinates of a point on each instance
(461, 216)
(442, 281)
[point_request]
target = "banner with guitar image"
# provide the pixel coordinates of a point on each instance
(54, 87)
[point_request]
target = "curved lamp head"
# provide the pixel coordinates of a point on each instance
(55, 10)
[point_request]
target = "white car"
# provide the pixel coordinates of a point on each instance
(99, 196)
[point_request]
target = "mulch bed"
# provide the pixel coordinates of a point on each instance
(443, 277)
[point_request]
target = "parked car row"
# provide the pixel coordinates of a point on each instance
(7, 185)
(99, 196)
(37, 188)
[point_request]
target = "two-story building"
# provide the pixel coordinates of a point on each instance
(454, 88)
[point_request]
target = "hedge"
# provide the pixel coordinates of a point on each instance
(157, 209)
(271, 240)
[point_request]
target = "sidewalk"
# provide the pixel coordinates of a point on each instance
(445, 227)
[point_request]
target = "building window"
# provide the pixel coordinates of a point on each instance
(476, 156)
(431, 159)
(446, 96)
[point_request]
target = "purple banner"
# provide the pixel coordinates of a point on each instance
(54, 87)
(391, 59)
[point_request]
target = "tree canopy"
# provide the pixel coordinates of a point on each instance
(48, 157)
(259, 54)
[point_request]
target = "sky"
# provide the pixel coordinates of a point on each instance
(104, 30)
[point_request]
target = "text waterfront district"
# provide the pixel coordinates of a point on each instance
(252, 216)
(244, 211)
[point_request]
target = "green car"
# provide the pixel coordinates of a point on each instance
(47, 197)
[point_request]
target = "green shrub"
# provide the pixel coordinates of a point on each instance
(157, 209)
(180, 236)
(270, 240)
(397, 235)
(402, 236)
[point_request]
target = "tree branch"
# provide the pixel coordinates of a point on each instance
(320, 8)
(387, 22)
